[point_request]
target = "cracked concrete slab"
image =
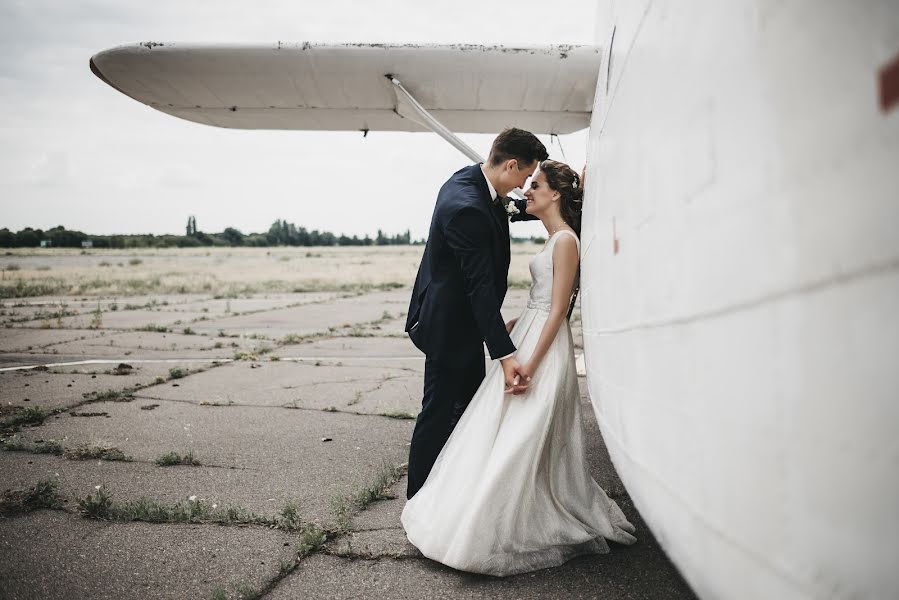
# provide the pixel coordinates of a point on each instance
(376, 560)
(309, 319)
(125, 319)
(21, 339)
(373, 544)
(11, 316)
(376, 532)
(226, 486)
(56, 555)
(354, 347)
(153, 344)
(221, 306)
(349, 388)
(49, 305)
(129, 302)
(67, 386)
(638, 571)
(264, 452)
(256, 454)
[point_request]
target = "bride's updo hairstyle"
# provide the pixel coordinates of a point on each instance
(562, 178)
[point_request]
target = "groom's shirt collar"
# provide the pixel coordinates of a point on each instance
(489, 185)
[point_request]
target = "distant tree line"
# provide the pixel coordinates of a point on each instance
(281, 233)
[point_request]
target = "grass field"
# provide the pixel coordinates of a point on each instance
(224, 272)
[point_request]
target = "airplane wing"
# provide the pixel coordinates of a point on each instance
(474, 89)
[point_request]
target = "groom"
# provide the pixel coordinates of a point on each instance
(459, 289)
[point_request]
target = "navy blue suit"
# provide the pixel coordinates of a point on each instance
(455, 308)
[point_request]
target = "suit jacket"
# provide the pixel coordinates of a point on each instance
(463, 275)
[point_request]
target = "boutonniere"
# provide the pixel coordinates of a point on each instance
(511, 209)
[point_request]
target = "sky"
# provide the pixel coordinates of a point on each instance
(77, 153)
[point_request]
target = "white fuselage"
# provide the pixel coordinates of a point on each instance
(740, 288)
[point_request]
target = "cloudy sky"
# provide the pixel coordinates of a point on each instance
(75, 152)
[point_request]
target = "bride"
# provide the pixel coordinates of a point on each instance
(511, 491)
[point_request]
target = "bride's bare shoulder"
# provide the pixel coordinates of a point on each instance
(566, 247)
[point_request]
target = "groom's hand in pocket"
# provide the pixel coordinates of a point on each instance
(516, 381)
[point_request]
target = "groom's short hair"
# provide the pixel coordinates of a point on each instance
(518, 144)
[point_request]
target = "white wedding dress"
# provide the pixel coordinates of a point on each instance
(511, 491)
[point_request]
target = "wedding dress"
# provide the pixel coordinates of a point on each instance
(511, 491)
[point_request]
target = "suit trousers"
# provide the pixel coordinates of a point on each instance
(448, 389)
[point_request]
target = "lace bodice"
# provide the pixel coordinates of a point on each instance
(541, 266)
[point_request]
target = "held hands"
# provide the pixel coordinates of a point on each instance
(511, 324)
(527, 371)
(517, 380)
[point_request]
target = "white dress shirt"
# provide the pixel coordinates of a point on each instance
(493, 195)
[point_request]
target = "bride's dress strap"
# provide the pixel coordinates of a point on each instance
(571, 233)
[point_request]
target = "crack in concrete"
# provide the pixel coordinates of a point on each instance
(241, 405)
(130, 461)
(376, 529)
(374, 557)
(114, 361)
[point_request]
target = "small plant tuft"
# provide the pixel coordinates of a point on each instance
(219, 593)
(289, 517)
(96, 452)
(30, 415)
(17, 444)
(173, 458)
(97, 505)
(399, 414)
(96, 318)
(344, 507)
(44, 494)
(312, 538)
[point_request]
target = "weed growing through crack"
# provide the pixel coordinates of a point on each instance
(45, 494)
(96, 452)
(344, 507)
(192, 510)
(398, 414)
(245, 591)
(177, 373)
(289, 518)
(312, 537)
(97, 505)
(286, 566)
(110, 395)
(96, 318)
(30, 415)
(17, 444)
(173, 458)
(219, 593)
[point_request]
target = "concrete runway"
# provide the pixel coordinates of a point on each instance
(291, 404)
